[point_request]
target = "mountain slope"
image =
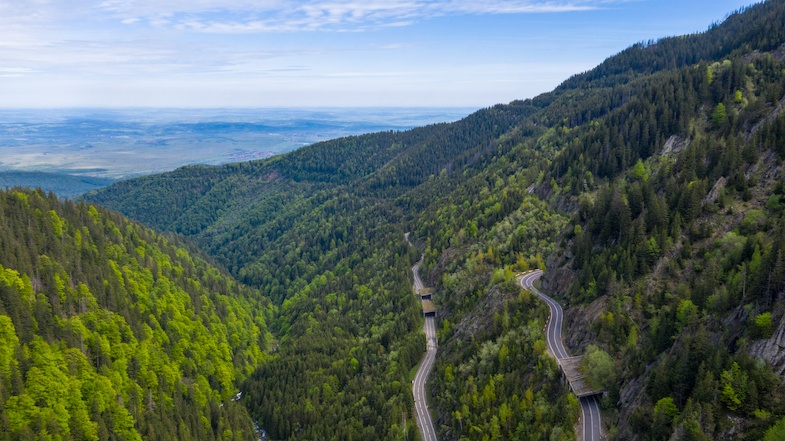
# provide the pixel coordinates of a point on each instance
(645, 264)
(112, 331)
(63, 185)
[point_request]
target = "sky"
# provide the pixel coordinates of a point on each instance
(310, 53)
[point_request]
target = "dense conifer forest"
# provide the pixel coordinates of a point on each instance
(650, 190)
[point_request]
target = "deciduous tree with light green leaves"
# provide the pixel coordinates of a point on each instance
(599, 368)
(108, 330)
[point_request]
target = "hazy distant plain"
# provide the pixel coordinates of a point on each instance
(118, 144)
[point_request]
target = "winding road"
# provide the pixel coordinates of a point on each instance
(590, 408)
(423, 416)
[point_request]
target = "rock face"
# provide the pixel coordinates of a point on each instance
(716, 190)
(557, 282)
(772, 349)
(674, 144)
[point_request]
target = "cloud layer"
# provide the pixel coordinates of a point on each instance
(335, 15)
(275, 15)
(131, 37)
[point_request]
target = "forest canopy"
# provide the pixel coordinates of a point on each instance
(109, 330)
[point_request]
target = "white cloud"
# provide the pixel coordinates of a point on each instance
(249, 16)
(262, 16)
(159, 7)
(14, 72)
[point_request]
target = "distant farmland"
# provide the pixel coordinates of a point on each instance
(75, 147)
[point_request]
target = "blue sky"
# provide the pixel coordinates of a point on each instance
(338, 53)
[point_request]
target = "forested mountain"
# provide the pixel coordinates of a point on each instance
(652, 188)
(320, 231)
(111, 331)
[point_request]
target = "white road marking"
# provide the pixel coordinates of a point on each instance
(424, 422)
(556, 346)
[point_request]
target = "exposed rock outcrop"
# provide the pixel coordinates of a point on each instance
(674, 144)
(772, 349)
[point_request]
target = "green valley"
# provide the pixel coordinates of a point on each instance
(649, 189)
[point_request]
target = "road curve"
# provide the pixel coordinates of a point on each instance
(590, 408)
(423, 416)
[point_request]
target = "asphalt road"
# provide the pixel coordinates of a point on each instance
(590, 409)
(423, 416)
(417, 281)
(424, 421)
